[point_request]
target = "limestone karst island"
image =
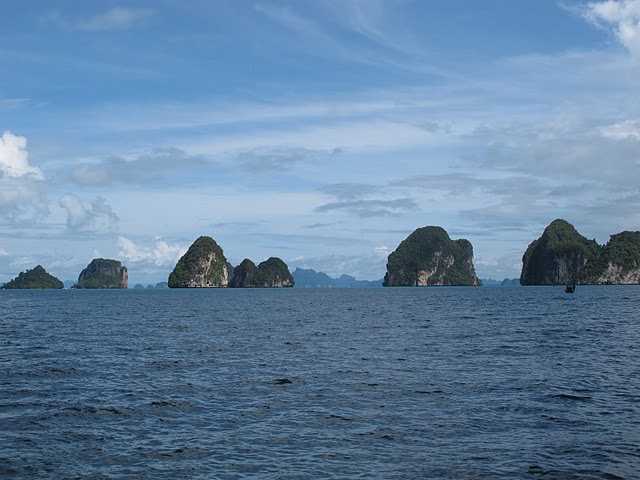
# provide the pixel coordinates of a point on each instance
(427, 257)
(205, 266)
(37, 278)
(103, 273)
(563, 256)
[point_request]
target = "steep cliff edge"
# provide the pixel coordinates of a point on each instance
(620, 259)
(563, 256)
(428, 257)
(37, 278)
(203, 266)
(272, 273)
(103, 273)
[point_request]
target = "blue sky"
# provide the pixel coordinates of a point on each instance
(322, 131)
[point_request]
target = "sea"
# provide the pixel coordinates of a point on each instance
(393, 383)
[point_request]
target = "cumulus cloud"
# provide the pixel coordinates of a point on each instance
(117, 18)
(22, 185)
(161, 254)
(23, 199)
(14, 158)
(622, 16)
(98, 216)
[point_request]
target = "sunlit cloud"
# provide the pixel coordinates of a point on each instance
(161, 254)
(622, 17)
(14, 158)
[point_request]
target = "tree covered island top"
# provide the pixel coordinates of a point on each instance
(37, 278)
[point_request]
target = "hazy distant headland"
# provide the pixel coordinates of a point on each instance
(427, 257)
(309, 278)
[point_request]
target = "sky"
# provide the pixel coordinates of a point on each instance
(322, 132)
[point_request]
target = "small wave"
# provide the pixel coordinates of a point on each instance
(337, 418)
(567, 396)
(91, 410)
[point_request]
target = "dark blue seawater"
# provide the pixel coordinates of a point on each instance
(399, 383)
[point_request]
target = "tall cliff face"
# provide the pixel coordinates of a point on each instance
(560, 256)
(272, 273)
(103, 273)
(203, 266)
(428, 257)
(563, 256)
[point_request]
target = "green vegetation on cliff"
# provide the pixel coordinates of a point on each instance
(623, 250)
(204, 265)
(429, 257)
(38, 278)
(103, 273)
(270, 273)
(245, 275)
(560, 255)
(563, 256)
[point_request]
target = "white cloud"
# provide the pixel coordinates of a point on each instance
(21, 263)
(23, 199)
(77, 214)
(626, 129)
(160, 254)
(382, 250)
(3, 252)
(117, 18)
(100, 216)
(622, 16)
(14, 158)
(284, 16)
(22, 186)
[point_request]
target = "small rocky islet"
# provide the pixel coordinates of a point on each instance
(427, 257)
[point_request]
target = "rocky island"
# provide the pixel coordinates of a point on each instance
(37, 278)
(428, 257)
(103, 273)
(272, 273)
(563, 256)
(203, 266)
